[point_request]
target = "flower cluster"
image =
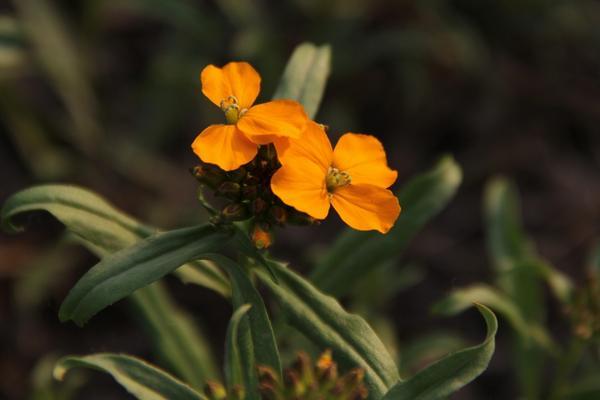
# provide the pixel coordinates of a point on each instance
(276, 166)
(304, 380)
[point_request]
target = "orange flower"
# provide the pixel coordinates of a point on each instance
(234, 89)
(353, 178)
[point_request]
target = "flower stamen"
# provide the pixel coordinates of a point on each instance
(231, 108)
(336, 178)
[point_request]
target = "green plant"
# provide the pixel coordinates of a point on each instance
(225, 256)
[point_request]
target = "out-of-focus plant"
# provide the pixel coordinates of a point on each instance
(518, 297)
(271, 167)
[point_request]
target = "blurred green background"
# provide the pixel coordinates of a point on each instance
(106, 94)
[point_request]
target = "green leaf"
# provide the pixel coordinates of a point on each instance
(427, 348)
(138, 377)
(264, 345)
(461, 299)
(121, 273)
(235, 368)
(452, 372)
(357, 253)
(102, 229)
(181, 346)
(98, 223)
(519, 272)
(512, 251)
(305, 76)
(326, 323)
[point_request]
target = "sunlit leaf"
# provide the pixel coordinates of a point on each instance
(305, 76)
(357, 253)
(452, 372)
(327, 324)
(138, 377)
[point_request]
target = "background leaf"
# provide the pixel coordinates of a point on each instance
(139, 378)
(121, 273)
(305, 76)
(102, 229)
(461, 299)
(99, 224)
(325, 322)
(451, 373)
(357, 253)
(511, 256)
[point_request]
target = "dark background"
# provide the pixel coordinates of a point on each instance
(106, 95)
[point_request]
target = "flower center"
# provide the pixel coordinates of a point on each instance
(336, 178)
(231, 108)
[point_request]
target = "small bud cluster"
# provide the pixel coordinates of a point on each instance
(308, 381)
(247, 195)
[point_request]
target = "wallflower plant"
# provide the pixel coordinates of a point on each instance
(269, 166)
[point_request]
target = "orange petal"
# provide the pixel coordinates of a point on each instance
(237, 79)
(225, 146)
(363, 158)
(313, 145)
(366, 207)
(279, 118)
(302, 186)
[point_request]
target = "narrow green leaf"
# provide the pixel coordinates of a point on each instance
(181, 346)
(512, 251)
(235, 368)
(177, 340)
(326, 323)
(264, 345)
(305, 76)
(519, 272)
(89, 216)
(103, 230)
(461, 299)
(427, 348)
(138, 377)
(356, 253)
(452, 372)
(121, 273)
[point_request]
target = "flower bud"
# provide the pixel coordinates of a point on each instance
(230, 190)
(278, 215)
(235, 212)
(237, 175)
(208, 174)
(261, 238)
(259, 206)
(249, 192)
